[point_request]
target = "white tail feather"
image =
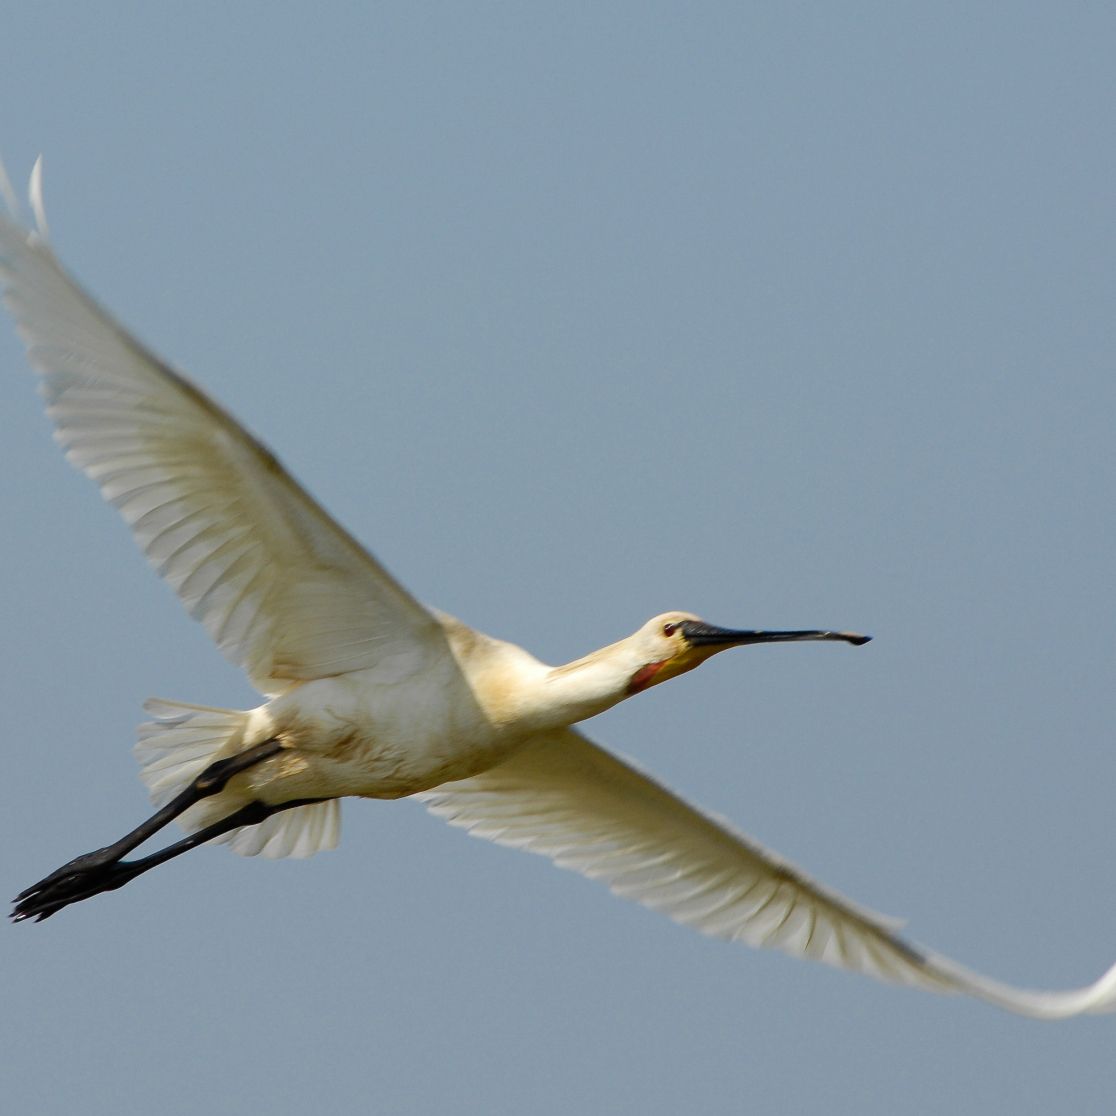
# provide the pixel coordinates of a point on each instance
(300, 832)
(183, 740)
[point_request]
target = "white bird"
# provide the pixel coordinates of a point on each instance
(370, 694)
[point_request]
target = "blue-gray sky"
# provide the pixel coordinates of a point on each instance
(791, 315)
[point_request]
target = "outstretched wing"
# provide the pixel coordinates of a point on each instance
(285, 592)
(565, 798)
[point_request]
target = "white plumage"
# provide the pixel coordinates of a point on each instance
(371, 694)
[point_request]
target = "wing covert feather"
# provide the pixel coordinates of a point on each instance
(588, 810)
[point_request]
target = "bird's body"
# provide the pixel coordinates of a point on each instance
(387, 733)
(371, 694)
(462, 705)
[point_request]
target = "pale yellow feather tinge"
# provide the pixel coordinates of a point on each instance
(371, 694)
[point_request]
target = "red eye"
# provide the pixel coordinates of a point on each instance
(669, 629)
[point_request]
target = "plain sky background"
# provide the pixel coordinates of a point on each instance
(789, 314)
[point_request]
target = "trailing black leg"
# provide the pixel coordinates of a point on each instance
(43, 902)
(94, 866)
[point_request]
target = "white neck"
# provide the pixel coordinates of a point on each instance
(587, 686)
(520, 694)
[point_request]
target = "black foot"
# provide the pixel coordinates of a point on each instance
(82, 878)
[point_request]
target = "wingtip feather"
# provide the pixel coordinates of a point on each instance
(35, 192)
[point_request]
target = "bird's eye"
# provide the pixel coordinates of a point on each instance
(669, 629)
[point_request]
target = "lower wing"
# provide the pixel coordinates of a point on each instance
(586, 809)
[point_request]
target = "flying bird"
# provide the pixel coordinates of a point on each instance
(371, 694)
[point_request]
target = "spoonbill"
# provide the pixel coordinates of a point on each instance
(370, 694)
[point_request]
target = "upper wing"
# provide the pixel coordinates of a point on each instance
(565, 798)
(285, 592)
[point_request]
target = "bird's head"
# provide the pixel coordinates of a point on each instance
(675, 642)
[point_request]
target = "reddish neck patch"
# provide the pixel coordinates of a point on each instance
(644, 676)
